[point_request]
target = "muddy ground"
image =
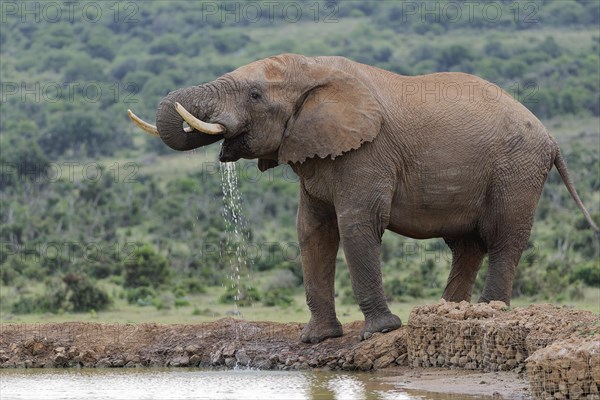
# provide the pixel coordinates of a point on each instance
(267, 345)
(224, 343)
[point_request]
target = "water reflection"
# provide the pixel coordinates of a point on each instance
(187, 384)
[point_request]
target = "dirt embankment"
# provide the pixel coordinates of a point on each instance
(224, 343)
(559, 347)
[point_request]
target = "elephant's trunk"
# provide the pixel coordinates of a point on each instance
(199, 102)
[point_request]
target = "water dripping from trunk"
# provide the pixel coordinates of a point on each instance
(236, 234)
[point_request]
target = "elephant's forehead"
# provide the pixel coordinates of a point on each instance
(262, 70)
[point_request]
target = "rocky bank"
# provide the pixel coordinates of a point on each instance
(559, 347)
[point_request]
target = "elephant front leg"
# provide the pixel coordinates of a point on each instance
(319, 241)
(361, 241)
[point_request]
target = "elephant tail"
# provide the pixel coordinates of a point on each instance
(561, 166)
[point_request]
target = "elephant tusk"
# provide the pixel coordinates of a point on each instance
(149, 128)
(146, 127)
(204, 127)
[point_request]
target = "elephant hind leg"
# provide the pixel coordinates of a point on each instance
(467, 254)
(504, 256)
(505, 230)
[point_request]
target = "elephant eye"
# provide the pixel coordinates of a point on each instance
(254, 95)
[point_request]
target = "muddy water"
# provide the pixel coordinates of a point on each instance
(187, 384)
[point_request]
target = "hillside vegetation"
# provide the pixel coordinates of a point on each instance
(95, 214)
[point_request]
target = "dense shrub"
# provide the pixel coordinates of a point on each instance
(142, 296)
(84, 295)
(243, 296)
(277, 297)
(147, 268)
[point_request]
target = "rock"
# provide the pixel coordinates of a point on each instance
(346, 366)
(59, 350)
(274, 359)
(562, 387)
(230, 362)
(88, 358)
(192, 349)
(498, 305)
(179, 361)
(242, 358)
(73, 350)
(456, 315)
(519, 357)
(362, 362)
(132, 358)
(103, 363)
(195, 360)
(229, 350)
(383, 362)
(402, 359)
(216, 358)
(575, 391)
(37, 348)
(119, 362)
(265, 363)
(60, 359)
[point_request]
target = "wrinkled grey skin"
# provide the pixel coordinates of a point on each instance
(443, 155)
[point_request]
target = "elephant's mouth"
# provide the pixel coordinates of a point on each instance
(234, 148)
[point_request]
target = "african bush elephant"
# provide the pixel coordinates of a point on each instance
(442, 155)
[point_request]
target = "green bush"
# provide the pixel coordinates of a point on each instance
(84, 295)
(147, 268)
(244, 297)
(347, 296)
(26, 305)
(193, 285)
(589, 273)
(142, 296)
(164, 301)
(277, 297)
(394, 289)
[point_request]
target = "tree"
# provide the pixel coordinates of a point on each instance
(148, 268)
(84, 295)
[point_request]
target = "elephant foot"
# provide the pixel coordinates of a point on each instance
(384, 323)
(315, 332)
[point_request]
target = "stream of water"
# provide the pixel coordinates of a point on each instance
(236, 233)
(188, 384)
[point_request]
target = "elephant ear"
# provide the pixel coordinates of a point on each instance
(335, 114)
